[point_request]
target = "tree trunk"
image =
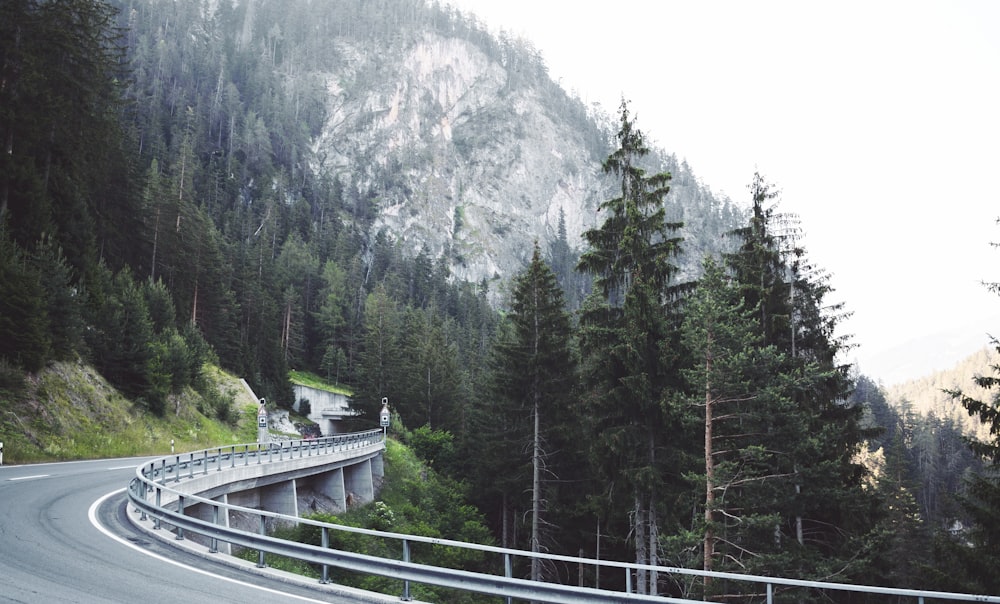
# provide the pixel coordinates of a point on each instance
(653, 539)
(641, 555)
(536, 495)
(709, 543)
(194, 305)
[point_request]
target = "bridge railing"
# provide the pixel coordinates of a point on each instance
(174, 468)
(153, 481)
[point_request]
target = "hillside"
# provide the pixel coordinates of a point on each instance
(431, 130)
(925, 396)
(68, 411)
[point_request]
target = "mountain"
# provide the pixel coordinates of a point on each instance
(444, 136)
(249, 172)
(926, 395)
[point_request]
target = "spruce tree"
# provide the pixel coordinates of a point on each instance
(534, 376)
(24, 322)
(624, 330)
(808, 435)
(976, 568)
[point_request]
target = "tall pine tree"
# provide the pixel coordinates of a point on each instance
(813, 509)
(534, 377)
(624, 329)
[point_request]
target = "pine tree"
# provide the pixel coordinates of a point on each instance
(534, 376)
(809, 435)
(982, 494)
(24, 323)
(624, 331)
(379, 371)
(722, 336)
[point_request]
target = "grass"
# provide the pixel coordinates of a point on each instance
(305, 378)
(68, 411)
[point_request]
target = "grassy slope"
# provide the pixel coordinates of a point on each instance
(68, 411)
(304, 378)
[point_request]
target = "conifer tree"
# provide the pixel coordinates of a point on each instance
(24, 323)
(624, 330)
(976, 566)
(722, 337)
(809, 435)
(534, 376)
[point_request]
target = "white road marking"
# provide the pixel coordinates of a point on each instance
(29, 477)
(92, 514)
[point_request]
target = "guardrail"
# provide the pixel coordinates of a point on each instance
(152, 480)
(173, 467)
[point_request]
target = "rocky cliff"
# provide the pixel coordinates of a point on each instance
(464, 145)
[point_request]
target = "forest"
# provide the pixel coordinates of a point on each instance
(159, 211)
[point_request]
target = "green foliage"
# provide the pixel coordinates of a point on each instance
(69, 412)
(415, 500)
(625, 328)
(24, 333)
(312, 380)
(794, 452)
(980, 554)
(435, 447)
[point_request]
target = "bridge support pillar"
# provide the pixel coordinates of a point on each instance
(280, 498)
(206, 512)
(331, 485)
(358, 482)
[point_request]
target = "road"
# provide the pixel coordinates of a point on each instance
(64, 537)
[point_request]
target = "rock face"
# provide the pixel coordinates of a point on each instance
(456, 156)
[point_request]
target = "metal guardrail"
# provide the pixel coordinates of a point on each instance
(152, 480)
(175, 467)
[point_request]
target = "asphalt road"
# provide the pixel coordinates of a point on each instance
(64, 537)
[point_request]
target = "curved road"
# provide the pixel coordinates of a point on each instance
(52, 549)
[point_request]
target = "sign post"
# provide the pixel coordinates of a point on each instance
(262, 436)
(384, 416)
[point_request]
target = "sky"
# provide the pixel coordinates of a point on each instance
(878, 122)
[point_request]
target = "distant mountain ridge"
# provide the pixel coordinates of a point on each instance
(926, 395)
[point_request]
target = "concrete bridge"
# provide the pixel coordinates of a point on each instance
(327, 474)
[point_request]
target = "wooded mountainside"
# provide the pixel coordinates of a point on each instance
(385, 194)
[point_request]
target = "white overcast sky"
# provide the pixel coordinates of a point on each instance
(878, 121)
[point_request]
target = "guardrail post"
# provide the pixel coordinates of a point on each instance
(508, 571)
(180, 510)
(156, 521)
(770, 594)
(406, 582)
(142, 493)
(628, 580)
(325, 542)
(214, 548)
(260, 552)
